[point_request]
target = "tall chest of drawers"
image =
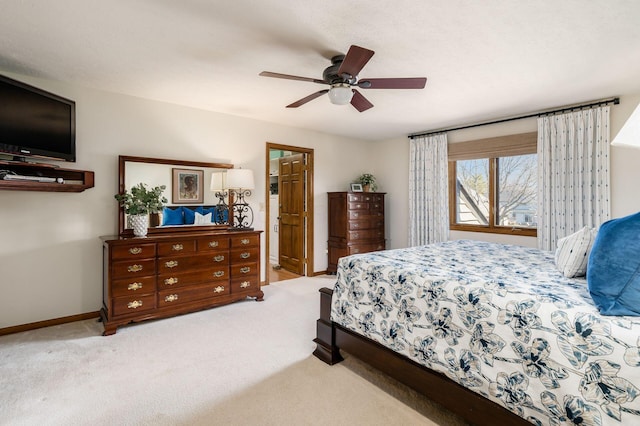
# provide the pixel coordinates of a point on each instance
(356, 224)
(166, 275)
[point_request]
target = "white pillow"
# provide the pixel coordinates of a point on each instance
(202, 219)
(573, 251)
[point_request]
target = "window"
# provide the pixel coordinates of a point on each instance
(493, 186)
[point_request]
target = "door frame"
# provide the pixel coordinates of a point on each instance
(308, 201)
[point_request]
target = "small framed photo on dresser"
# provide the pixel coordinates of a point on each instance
(356, 187)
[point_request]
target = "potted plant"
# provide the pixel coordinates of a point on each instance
(139, 203)
(368, 182)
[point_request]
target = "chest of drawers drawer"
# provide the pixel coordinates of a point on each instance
(167, 265)
(192, 293)
(134, 268)
(177, 247)
(245, 270)
(133, 286)
(242, 241)
(245, 283)
(219, 273)
(213, 243)
(137, 251)
(134, 304)
(245, 255)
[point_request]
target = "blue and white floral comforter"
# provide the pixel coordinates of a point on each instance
(502, 321)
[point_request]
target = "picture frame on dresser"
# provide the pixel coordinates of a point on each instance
(356, 187)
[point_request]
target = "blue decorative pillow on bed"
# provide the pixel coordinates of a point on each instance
(613, 270)
(190, 214)
(172, 216)
(216, 216)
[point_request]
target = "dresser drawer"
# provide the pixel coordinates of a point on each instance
(246, 284)
(172, 265)
(192, 293)
(220, 242)
(358, 205)
(167, 281)
(365, 248)
(244, 270)
(133, 286)
(134, 268)
(246, 255)
(134, 304)
(177, 247)
(366, 234)
(245, 240)
(137, 251)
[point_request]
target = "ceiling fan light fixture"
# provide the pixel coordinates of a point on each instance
(340, 94)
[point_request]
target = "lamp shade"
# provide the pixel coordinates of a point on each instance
(340, 94)
(218, 181)
(629, 135)
(240, 179)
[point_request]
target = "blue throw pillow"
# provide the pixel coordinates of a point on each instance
(613, 269)
(172, 216)
(190, 214)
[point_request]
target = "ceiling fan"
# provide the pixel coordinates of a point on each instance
(342, 76)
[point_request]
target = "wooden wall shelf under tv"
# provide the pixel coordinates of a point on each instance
(71, 180)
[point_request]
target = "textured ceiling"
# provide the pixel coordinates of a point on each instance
(483, 59)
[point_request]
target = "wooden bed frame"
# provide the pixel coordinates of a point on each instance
(331, 338)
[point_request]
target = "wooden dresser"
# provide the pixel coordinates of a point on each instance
(170, 274)
(356, 224)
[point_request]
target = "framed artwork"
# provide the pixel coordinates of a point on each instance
(188, 186)
(356, 187)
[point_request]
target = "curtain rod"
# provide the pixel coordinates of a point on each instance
(567, 108)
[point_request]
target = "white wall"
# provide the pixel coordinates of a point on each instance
(391, 166)
(50, 252)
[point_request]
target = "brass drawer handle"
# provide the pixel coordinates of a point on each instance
(135, 250)
(218, 289)
(245, 284)
(171, 298)
(134, 268)
(134, 286)
(245, 241)
(218, 274)
(135, 304)
(177, 247)
(213, 244)
(218, 258)
(356, 234)
(171, 264)
(245, 255)
(245, 269)
(171, 280)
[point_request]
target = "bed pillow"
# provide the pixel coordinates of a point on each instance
(573, 251)
(172, 216)
(202, 219)
(613, 270)
(190, 214)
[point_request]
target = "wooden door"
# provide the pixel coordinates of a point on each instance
(291, 187)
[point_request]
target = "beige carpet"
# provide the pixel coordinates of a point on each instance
(248, 363)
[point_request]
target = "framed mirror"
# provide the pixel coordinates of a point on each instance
(188, 186)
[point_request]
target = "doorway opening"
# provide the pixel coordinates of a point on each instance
(289, 212)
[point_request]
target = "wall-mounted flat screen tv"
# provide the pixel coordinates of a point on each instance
(36, 123)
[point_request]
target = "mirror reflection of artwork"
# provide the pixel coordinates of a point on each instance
(188, 186)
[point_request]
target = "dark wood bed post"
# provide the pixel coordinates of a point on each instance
(437, 387)
(326, 348)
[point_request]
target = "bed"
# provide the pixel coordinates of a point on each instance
(493, 332)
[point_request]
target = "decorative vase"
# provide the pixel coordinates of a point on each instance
(140, 224)
(366, 187)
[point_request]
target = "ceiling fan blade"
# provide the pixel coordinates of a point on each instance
(393, 83)
(355, 59)
(360, 102)
(306, 99)
(291, 77)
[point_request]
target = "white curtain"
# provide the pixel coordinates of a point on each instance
(573, 173)
(428, 190)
